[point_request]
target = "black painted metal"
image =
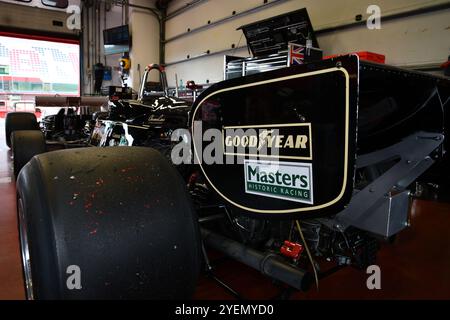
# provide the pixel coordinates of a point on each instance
(310, 94)
(269, 36)
(386, 104)
(395, 103)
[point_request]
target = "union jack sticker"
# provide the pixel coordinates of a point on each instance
(296, 54)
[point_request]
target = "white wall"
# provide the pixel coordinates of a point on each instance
(415, 40)
(145, 37)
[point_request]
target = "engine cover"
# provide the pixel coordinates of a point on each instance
(288, 140)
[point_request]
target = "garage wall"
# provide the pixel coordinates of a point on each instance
(145, 36)
(144, 30)
(35, 16)
(113, 19)
(416, 40)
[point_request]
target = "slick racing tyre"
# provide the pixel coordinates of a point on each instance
(106, 223)
(19, 121)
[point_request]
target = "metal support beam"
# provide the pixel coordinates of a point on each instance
(414, 154)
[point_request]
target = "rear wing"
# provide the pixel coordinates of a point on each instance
(290, 135)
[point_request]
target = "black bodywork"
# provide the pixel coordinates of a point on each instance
(386, 104)
(67, 126)
(148, 120)
(352, 108)
(339, 111)
(351, 139)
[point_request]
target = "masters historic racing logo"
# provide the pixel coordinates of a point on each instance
(282, 180)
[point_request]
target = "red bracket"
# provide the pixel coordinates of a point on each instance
(291, 250)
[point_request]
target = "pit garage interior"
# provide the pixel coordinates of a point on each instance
(85, 186)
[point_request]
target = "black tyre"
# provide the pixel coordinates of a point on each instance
(122, 215)
(25, 145)
(19, 121)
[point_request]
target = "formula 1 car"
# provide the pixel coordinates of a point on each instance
(146, 121)
(75, 127)
(70, 127)
(311, 164)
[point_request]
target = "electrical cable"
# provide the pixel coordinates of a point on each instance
(239, 42)
(309, 254)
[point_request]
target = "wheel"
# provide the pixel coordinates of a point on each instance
(19, 121)
(25, 145)
(106, 223)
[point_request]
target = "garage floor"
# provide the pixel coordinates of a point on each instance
(11, 283)
(416, 266)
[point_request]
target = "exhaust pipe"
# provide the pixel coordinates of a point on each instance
(268, 264)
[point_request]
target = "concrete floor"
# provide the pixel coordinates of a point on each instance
(415, 266)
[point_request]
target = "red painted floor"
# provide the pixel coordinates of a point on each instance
(11, 281)
(415, 266)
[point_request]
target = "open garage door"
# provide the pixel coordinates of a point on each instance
(33, 66)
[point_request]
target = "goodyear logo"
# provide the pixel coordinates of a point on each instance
(282, 180)
(283, 141)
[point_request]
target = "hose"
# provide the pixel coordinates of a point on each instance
(309, 254)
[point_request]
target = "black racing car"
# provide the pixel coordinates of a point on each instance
(343, 140)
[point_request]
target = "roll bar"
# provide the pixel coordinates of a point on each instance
(162, 79)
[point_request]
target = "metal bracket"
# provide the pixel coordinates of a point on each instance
(414, 154)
